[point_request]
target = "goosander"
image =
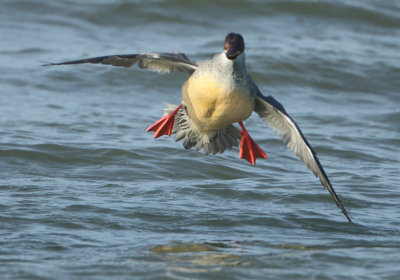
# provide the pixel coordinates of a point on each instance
(218, 93)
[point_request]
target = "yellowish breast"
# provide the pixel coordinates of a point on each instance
(213, 105)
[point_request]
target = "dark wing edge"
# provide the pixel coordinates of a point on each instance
(273, 113)
(160, 62)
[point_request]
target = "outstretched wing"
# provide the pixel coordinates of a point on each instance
(160, 62)
(272, 112)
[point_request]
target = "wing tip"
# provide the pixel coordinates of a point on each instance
(46, 63)
(344, 211)
(348, 218)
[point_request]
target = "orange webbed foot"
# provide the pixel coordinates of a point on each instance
(164, 125)
(249, 150)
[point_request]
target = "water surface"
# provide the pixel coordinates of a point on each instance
(85, 193)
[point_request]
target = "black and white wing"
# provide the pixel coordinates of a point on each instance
(272, 112)
(160, 62)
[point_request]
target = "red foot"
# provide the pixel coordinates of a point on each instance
(249, 150)
(164, 125)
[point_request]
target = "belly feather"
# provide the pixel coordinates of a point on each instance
(214, 106)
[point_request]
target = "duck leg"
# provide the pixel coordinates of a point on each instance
(164, 125)
(249, 150)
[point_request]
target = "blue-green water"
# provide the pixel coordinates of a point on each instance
(85, 193)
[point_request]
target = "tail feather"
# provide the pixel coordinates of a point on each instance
(215, 142)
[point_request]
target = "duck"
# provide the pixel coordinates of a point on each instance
(219, 93)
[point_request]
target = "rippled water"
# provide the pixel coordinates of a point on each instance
(85, 193)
